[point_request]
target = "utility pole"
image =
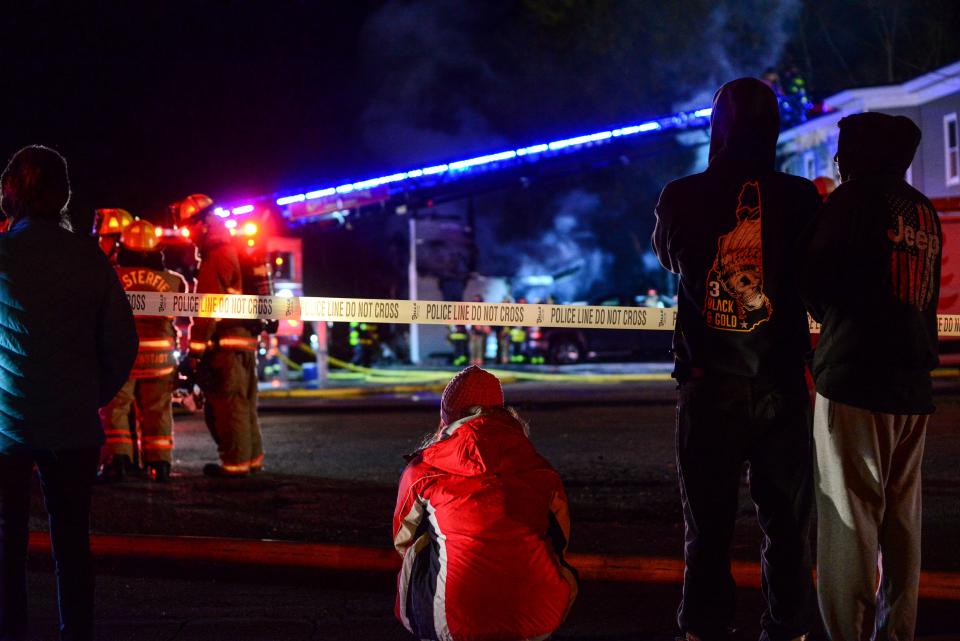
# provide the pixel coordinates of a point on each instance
(412, 278)
(323, 356)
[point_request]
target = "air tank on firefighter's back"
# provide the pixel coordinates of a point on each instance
(257, 273)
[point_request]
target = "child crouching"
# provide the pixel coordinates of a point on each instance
(482, 523)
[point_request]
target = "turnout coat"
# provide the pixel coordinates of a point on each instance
(482, 523)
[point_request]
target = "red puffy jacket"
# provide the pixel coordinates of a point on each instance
(482, 522)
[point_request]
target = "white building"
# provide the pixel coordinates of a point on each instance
(931, 100)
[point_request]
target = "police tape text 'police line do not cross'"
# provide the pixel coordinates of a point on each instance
(312, 308)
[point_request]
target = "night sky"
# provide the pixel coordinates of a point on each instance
(154, 103)
(156, 100)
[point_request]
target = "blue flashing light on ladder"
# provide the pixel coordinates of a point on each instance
(679, 121)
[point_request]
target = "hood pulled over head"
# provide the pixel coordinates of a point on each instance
(744, 125)
(489, 442)
(876, 143)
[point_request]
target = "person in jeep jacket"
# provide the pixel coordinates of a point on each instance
(730, 232)
(872, 277)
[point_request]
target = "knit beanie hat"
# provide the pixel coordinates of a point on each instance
(473, 386)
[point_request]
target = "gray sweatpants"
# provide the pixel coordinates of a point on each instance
(867, 480)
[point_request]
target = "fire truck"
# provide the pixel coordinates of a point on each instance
(261, 233)
(949, 210)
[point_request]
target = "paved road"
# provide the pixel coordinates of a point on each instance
(331, 476)
(153, 605)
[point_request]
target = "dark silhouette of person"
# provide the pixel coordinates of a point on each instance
(877, 245)
(731, 232)
(68, 345)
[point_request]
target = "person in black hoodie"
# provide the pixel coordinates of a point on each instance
(871, 277)
(739, 347)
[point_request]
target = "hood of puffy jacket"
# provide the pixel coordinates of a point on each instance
(744, 125)
(876, 143)
(489, 442)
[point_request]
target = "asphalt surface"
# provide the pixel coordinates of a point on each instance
(331, 472)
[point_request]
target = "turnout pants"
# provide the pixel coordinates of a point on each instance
(478, 348)
(151, 397)
(724, 422)
(868, 509)
(66, 478)
(503, 348)
(230, 387)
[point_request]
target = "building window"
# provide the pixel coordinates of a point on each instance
(809, 165)
(951, 149)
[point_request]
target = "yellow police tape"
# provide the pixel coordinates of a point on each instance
(311, 308)
(364, 310)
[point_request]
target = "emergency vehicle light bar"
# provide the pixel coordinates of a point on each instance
(678, 121)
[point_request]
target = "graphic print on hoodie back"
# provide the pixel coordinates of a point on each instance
(734, 298)
(730, 232)
(915, 252)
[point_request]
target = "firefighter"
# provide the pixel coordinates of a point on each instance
(108, 225)
(365, 343)
(796, 103)
(458, 340)
(530, 347)
(503, 339)
(518, 341)
(652, 299)
(223, 352)
(478, 339)
(150, 387)
(825, 186)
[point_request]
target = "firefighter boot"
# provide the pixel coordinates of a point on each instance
(159, 471)
(116, 470)
(219, 471)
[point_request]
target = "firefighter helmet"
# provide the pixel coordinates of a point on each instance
(190, 207)
(140, 236)
(825, 186)
(111, 221)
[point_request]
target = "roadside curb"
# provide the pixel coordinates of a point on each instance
(375, 389)
(325, 556)
(507, 377)
(349, 392)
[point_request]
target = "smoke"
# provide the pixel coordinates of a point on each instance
(567, 252)
(744, 38)
(432, 82)
(740, 39)
(451, 78)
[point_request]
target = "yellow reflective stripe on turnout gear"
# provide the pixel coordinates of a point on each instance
(118, 436)
(151, 372)
(237, 342)
(242, 468)
(158, 344)
(157, 442)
